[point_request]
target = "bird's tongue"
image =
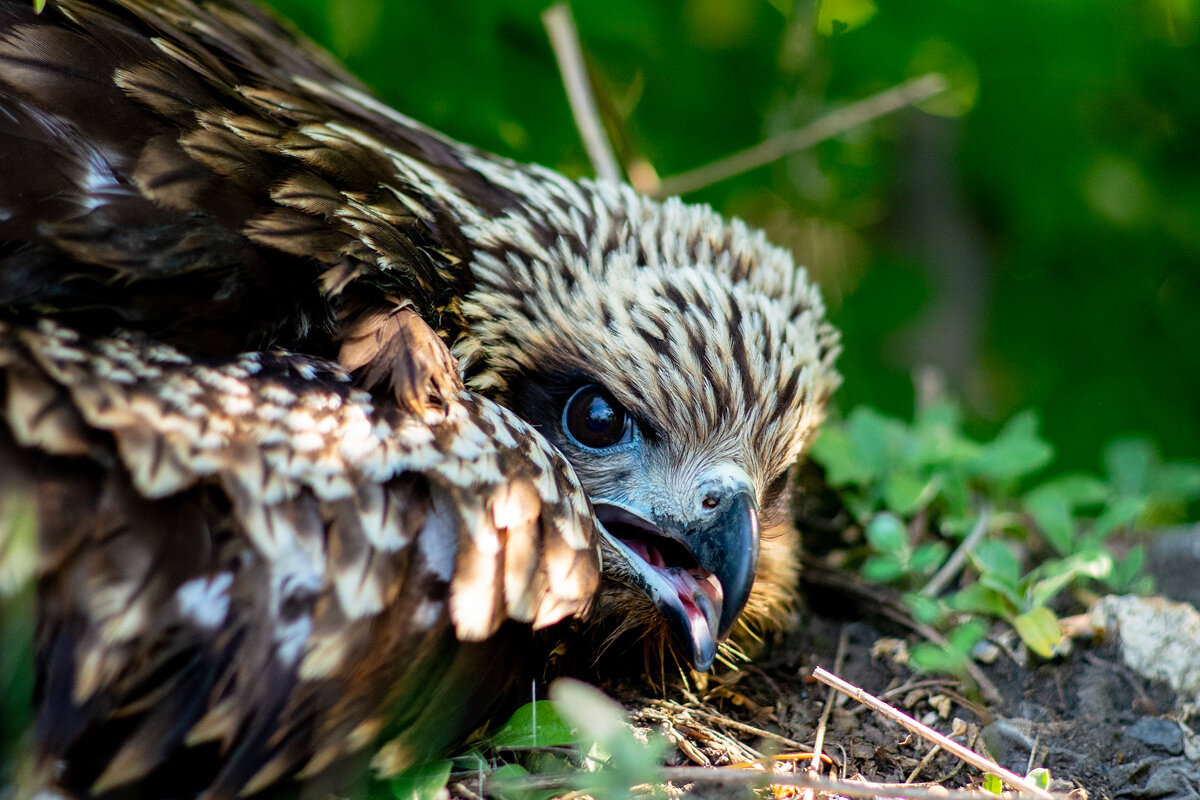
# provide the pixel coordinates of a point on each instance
(698, 590)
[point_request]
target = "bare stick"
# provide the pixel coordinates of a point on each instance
(958, 558)
(877, 105)
(949, 745)
(754, 778)
(564, 38)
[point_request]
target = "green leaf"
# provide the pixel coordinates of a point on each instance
(954, 491)
(927, 557)
(1121, 513)
(992, 783)
(1179, 482)
(1052, 511)
(904, 492)
(964, 638)
(1015, 452)
(981, 599)
(514, 772)
(834, 451)
(1130, 463)
(1038, 628)
(877, 440)
(881, 570)
(939, 440)
(1126, 569)
(1078, 490)
(996, 558)
(519, 731)
(422, 782)
(1011, 592)
(1095, 564)
(925, 609)
(837, 17)
(887, 534)
(603, 721)
(928, 657)
(1040, 777)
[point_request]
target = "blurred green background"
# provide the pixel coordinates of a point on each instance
(1034, 235)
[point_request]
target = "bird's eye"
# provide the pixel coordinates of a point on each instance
(594, 419)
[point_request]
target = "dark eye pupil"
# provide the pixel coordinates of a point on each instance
(594, 418)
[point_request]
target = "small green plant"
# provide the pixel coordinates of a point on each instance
(579, 738)
(921, 491)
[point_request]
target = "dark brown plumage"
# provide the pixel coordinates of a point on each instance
(326, 414)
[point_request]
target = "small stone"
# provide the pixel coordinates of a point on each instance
(1159, 733)
(1160, 640)
(862, 751)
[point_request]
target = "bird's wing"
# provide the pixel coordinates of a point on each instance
(247, 562)
(246, 557)
(184, 167)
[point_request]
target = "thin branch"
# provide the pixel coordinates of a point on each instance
(564, 39)
(949, 745)
(958, 558)
(911, 91)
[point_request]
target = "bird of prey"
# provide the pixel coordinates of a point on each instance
(336, 427)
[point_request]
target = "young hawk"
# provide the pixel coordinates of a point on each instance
(328, 418)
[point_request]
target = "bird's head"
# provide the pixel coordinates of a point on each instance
(680, 363)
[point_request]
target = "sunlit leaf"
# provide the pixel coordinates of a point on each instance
(520, 730)
(1040, 777)
(1038, 628)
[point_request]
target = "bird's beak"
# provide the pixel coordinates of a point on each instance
(698, 573)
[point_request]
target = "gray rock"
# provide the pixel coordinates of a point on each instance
(1158, 732)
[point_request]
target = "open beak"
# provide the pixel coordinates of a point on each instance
(698, 573)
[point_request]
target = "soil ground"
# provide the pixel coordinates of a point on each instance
(1093, 723)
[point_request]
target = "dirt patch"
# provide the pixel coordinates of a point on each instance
(1087, 718)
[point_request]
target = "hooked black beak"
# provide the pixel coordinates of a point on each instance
(698, 573)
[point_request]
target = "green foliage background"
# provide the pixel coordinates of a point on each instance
(1035, 234)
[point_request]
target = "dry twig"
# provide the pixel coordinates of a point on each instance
(564, 39)
(947, 744)
(877, 105)
(958, 558)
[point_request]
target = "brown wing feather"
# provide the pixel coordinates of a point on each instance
(199, 147)
(273, 563)
(310, 560)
